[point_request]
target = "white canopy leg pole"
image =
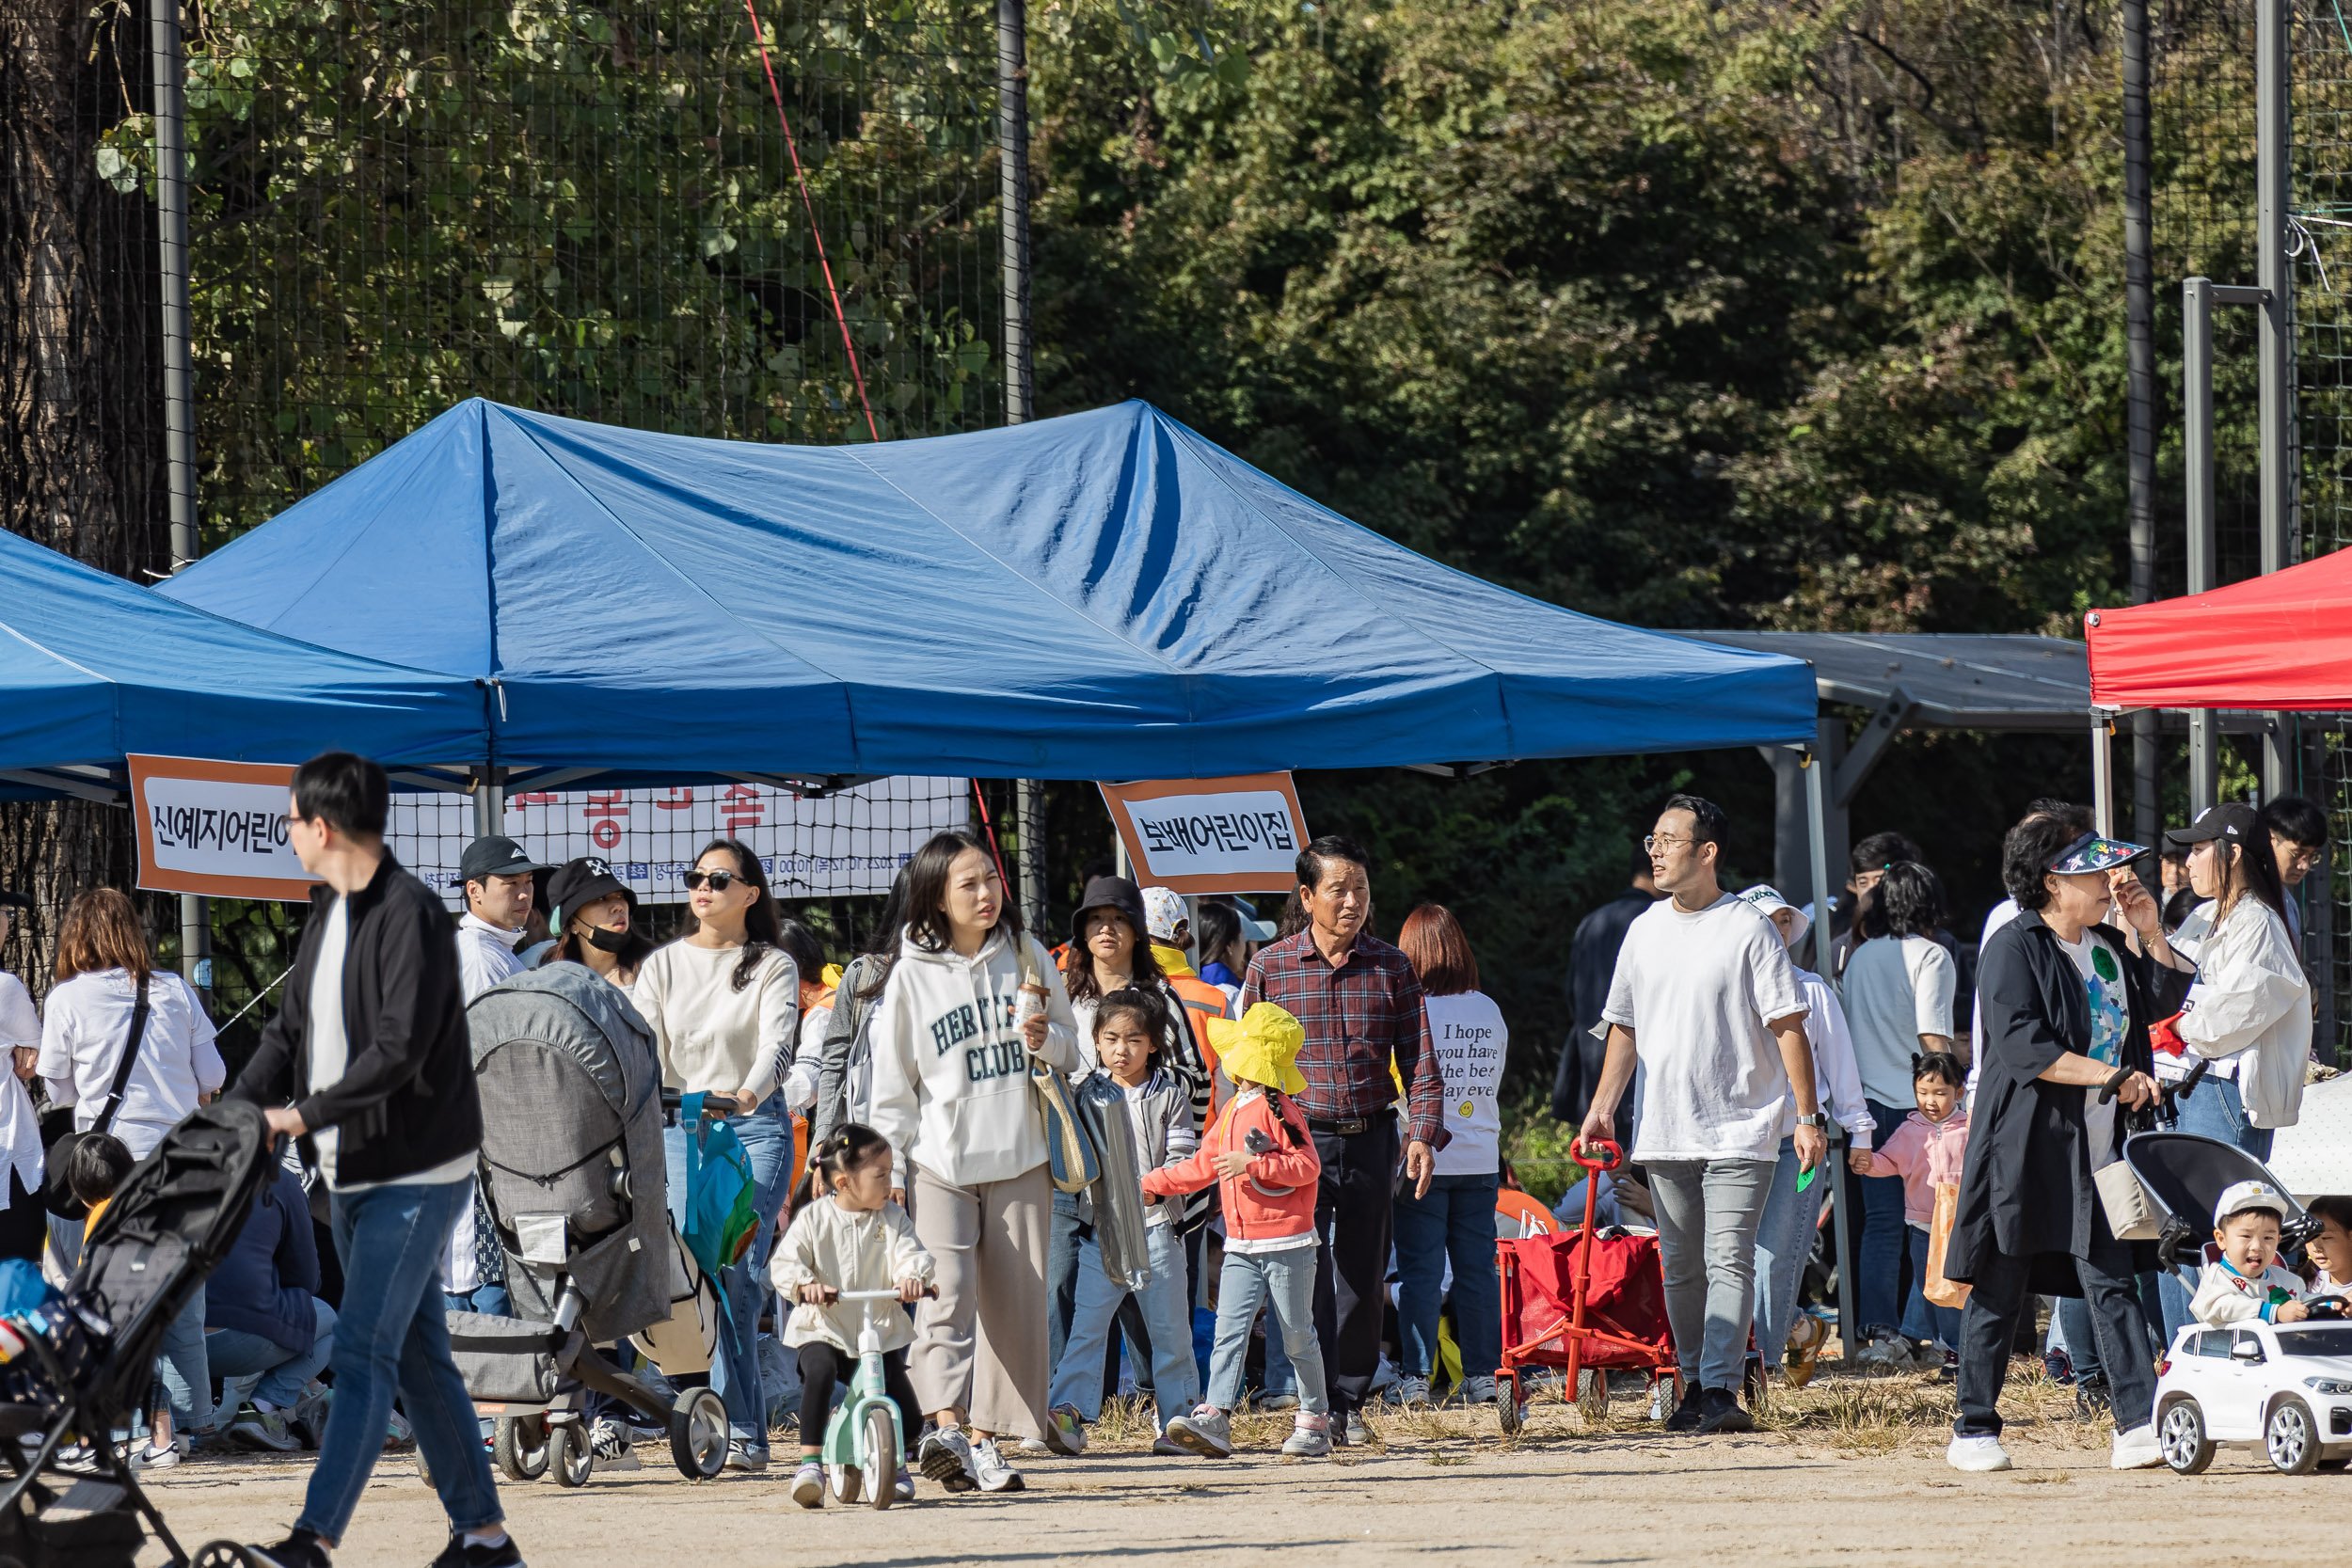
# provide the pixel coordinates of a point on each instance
(2102, 776)
(1817, 837)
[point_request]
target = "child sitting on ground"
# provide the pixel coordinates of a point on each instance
(1129, 1025)
(2330, 1251)
(853, 1238)
(2246, 1283)
(1260, 1154)
(1928, 1152)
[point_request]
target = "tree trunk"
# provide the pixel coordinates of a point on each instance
(80, 396)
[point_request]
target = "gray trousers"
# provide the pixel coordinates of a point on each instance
(1707, 1211)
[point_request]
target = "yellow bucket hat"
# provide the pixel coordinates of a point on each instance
(1267, 1051)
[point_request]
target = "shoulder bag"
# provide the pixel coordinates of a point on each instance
(55, 1193)
(1069, 1153)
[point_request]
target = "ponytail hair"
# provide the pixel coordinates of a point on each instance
(846, 1149)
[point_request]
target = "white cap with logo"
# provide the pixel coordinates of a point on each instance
(2239, 1197)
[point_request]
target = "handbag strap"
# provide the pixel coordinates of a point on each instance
(122, 1067)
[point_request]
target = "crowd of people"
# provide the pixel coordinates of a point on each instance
(1314, 1113)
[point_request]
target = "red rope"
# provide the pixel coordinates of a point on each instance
(994, 853)
(801, 175)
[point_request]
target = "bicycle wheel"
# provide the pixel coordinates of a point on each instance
(881, 1457)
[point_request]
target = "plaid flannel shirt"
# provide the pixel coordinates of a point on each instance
(1356, 1016)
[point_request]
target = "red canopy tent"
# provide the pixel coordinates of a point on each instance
(2280, 641)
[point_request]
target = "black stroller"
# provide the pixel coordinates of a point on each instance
(89, 1360)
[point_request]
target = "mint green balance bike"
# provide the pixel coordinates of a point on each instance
(864, 1443)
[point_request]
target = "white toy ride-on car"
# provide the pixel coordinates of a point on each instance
(2283, 1387)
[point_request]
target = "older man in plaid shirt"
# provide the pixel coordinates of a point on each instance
(1361, 1006)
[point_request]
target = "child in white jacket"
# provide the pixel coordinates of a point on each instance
(2246, 1283)
(851, 1239)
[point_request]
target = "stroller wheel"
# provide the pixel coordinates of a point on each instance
(1508, 1405)
(521, 1447)
(698, 1433)
(214, 1554)
(569, 1454)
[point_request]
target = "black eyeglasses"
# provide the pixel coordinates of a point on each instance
(718, 880)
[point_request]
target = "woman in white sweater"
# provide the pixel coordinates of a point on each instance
(724, 1001)
(952, 1039)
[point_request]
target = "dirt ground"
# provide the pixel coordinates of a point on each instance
(1849, 1468)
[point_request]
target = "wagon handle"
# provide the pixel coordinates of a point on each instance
(1612, 1155)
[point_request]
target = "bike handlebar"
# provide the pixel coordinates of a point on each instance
(930, 1290)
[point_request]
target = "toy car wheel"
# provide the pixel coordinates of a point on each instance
(2290, 1438)
(698, 1433)
(881, 1458)
(521, 1447)
(845, 1482)
(2180, 1434)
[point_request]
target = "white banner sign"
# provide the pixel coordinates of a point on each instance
(1211, 835)
(851, 842)
(215, 828)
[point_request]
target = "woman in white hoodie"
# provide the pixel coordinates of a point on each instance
(952, 1038)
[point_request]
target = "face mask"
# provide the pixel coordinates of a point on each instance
(607, 942)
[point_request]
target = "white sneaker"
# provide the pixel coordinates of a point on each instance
(946, 1456)
(1411, 1392)
(1481, 1390)
(990, 1469)
(2137, 1449)
(1978, 1455)
(1891, 1352)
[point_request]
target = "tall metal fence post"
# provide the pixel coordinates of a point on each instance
(2139, 353)
(165, 71)
(2272, 204)
(2204, 759)
(1012, 185)
(1817, 765)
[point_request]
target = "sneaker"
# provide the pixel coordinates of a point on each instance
(903, 1490)
(256, 1428)
(808, 1485)
(990, 1469)
(1065, 1431)
(1165, 1447)
(460, 1553)
(1718, 1411)
(152, 1457)
(1885, 1352)
(2137, 1449)
(1806, 1336)
(1412, 1392)
(1208, 1432)
(309, 1420)
(1034, 1445)
(1688, 1412)
(1272, 1402)
(1310, 1438)
(946, 1456)
(1480, 1390)
(1357, 1433)
(2091, 1398)
(2056, 1367)
(1976, 1455)
(399, 1437)
(752, 1462)
(1952, 1366)
(77, 1459)
(302, 1550)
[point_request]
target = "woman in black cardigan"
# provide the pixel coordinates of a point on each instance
(2066, 1003)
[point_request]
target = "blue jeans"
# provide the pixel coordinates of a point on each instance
(1062, 1273)
(1784, 1239)
(1458, 1221)
(1285, 1282)
(283, 1373)
(1166, 1304)
(181, 1366)
(735, 1373)
(2214, 1109)
(1922, 1318)
(1882, 1250)
(393, 1338)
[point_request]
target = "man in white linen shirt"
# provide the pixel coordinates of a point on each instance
(1705, 996)
(499, 888)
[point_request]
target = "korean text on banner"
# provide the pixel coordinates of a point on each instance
(1211, 835)
(217, 828)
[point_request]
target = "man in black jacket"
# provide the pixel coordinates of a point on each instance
(367, 1062)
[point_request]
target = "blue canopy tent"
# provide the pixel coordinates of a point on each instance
(1102, 595)
(92, 668)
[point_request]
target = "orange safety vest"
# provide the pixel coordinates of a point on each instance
(1203, 1002)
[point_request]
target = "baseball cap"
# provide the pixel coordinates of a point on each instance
(2233, 822)
(495, 855)
(2239, 1197)
(2094, 853)
(1163, 909)
(584, 881)
(1769, 902)
(1251, 926)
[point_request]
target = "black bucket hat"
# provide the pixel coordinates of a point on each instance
(584, 882)
(1110, 892)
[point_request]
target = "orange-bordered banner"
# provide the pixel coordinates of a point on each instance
(1211, 835)
(217, 828)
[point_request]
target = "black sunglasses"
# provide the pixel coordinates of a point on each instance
(719, 880)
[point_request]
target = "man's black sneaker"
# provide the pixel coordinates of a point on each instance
(1686, 1416)
(299, 1550)
(457, 1554)
(1718, 1411)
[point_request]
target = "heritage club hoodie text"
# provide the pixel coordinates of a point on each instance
(951, 1075)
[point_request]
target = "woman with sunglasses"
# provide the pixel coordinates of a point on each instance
(724, 1001)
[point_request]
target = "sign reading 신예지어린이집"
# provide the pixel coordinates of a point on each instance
(1211, 835)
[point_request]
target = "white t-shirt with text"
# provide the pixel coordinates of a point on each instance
(1467, 1029)
(1697, 991)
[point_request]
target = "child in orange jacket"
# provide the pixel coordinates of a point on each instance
(1260, 1154)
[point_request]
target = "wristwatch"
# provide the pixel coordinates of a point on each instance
(1818, 1119)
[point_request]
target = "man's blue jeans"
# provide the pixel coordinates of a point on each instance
(393, 1338)
(1884, 1249)
(1784, 1241)
(1455, 1221)
(2214, 1109)
(735, 1374)
(283, 1373)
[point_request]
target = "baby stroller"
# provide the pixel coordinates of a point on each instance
(77, 1365)
(1586, 1299)
(2185, 1176)
(574, 1182)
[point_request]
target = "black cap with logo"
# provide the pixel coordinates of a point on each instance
(495, 855)
(2233, 822)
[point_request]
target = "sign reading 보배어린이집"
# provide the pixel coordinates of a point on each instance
(217, 828)
(1211, 835)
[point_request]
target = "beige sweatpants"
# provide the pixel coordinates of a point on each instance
(981, 1345)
